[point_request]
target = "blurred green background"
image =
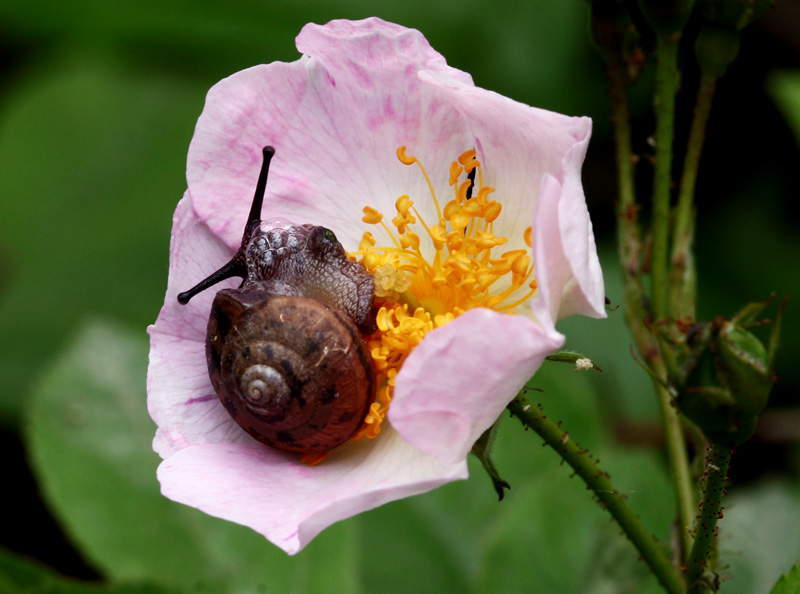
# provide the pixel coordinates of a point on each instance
(97, 107)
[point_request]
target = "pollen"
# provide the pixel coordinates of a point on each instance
(435, 270)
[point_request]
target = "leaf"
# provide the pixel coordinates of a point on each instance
(91, 166)
(614, 570)
(90, 437)
(19, 575)
(789, 583)
(785, 89)
(758, 536)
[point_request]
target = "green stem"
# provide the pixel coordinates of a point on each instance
(667, 78)
(629, 243)
(677, 461)
(620, 116)
(598, 482)
(716, 473)
(683, 280)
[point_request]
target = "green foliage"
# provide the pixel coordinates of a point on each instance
(758, 536)
(785, 87)
(788, 583)
(92, 162)
(90, 438)
(19, 575)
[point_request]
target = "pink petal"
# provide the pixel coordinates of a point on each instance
(552, 267)
(180, 399)
(567, 267)
(336, 118)
(517, 145)
(290, 503)
(457, 382)
(584, 293)
(523, 149)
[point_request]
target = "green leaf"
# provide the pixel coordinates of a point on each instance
(788, 583)
(90, 437)
(758, 536)
(92, 163)
(613, 569)
(785, 89)
(19, 575)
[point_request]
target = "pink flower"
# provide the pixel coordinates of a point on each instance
(336, 118)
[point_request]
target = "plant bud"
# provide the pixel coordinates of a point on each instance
(732, 14)
(721, 374)
(667, 17)
(611, 28)
(716, 48)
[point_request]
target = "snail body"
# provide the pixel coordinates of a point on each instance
(285, 351)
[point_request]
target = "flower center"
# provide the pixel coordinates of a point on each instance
(417, 292)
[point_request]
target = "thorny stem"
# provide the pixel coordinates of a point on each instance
(620, 117)
(667, 78)
(629, 239)
(599, 483)
(678, 461)
(700, 562)
(628, 230)
(683, 279)
(683, 288)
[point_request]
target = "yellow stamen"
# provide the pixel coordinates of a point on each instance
(417, 292)
(401, 154)
(371, 216)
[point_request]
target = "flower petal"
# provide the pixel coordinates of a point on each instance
(457, 382)
(290, 503)
(180, 398)
(336, 118)
(567, 267)
(516, 143)
(584, 293)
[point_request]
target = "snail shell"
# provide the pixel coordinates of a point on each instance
(285, 350)
(293, 371)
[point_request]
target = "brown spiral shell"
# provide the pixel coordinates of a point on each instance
(292, 371)
(285, 350)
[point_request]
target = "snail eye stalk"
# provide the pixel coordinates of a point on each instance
(237, 266)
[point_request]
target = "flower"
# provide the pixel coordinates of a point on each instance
(371, 116)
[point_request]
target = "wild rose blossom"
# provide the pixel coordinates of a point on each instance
(371, 116)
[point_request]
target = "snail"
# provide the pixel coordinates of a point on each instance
(285, 350)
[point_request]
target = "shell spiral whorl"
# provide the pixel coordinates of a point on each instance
(263, 388)
(292, 371)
